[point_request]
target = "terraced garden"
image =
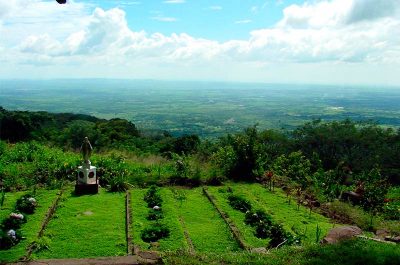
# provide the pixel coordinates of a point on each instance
(95, 225)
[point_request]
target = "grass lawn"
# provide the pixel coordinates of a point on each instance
(9, 203)
(30, 229)
(87, 226)
(205, 226)
(350, 252)
(221, 198)
(276, 204)
(176, 239)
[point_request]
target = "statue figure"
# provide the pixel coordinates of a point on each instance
(86, 150)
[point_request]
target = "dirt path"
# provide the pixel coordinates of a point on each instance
(126, 260)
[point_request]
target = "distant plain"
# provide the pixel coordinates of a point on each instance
(209, 109)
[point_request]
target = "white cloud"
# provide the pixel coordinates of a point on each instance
(164, 18)
(319, 36)
(243, 21)
(174, 1)
(215, 8)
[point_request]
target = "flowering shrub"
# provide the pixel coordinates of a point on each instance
(26, 204)
(14, 221)
(9, 238)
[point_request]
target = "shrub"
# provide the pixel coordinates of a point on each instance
(280, 237)
(155, 233)
(155, 215)
(239, 203)
(14, 221)
(391, 210)
(9, 238)
(26, 204)
(256, 218)
(152, 197)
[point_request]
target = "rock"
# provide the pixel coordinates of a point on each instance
(149, 255)
(395, 239)
(340, 233)
(260, 250)
(381, 233)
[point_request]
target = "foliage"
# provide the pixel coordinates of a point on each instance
(257, 217)
(239, 203)
(12, 222)
(155, 232)
(152, 197)
(40, 244)
(26, 204)
(154, 215)
(9, 238)
(295, 166)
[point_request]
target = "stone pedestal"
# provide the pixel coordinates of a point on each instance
(87, 181)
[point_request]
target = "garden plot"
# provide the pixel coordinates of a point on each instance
(220, 196)
(206, 228)
(276, 203)
(87, 226)
(31, 228)
(175, 240)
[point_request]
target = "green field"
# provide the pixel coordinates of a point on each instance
(94, 225)
(207, 109)
(204, 225)
(31, 228)
(87, 226)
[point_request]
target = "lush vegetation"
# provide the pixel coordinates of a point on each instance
(85, 226)
(346, 253)
(277, 187)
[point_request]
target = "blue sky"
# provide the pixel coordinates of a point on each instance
(218, 20)
(275, 41)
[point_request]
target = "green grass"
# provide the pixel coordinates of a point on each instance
(87, 226)
(206, 228)
(220, 195)
(276, 204)
(30, 229)
(9, 203)
(351, 252)
(176, 240)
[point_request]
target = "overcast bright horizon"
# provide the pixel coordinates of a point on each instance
(275, 41)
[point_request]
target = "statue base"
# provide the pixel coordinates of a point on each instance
(87, 181)
(82, 189)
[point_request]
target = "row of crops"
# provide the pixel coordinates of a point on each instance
(163, 219)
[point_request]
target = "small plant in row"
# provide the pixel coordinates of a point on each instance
(263, 225)
(157, 230)
(9, 234)
(239, 203)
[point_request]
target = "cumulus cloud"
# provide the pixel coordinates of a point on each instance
(328, 31)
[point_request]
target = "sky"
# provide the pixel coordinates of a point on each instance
(354, 42)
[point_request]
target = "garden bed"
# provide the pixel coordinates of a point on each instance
(175, 240)
(206, 228)
(31, 228)
(87, 226)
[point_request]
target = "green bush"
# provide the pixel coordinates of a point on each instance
(155, 233)
(26, 204)
(9, 238)
(12, 222)
(256, 218)
(239, 203)
(155, 215)
(152, 197)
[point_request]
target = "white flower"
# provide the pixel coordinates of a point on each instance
(156, 208)
(11, 233)
(32, 200)
(17, 216)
